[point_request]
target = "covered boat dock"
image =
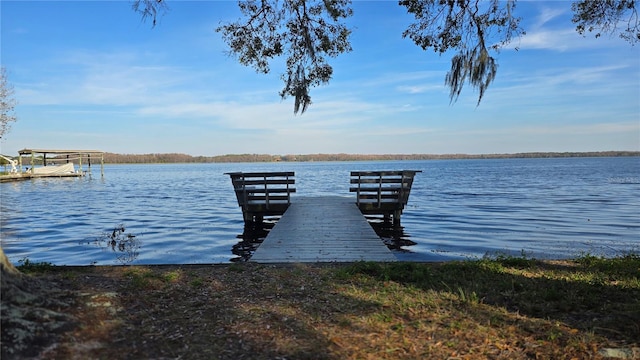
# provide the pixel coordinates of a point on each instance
(36, 163)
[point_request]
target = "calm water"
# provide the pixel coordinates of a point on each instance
(187, 213)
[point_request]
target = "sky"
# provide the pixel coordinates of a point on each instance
(92, 75)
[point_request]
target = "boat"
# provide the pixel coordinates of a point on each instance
(64, 163)
(55, 170)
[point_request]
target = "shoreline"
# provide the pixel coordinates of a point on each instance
(162, 158)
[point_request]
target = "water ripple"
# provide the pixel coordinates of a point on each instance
(187, 213)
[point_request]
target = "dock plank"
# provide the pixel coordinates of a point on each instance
(322, 229)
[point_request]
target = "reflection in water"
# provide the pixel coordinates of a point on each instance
(125, 246)
(253, 235)
(393, 236)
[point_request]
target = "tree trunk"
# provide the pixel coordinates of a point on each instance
(30, 312)
(6, 265)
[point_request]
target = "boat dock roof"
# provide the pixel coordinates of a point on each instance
(54, 151)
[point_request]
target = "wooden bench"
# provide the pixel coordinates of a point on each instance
(382, 192)
(262, 194)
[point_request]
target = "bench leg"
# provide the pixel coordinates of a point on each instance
(386, 218)
(250, 217)
(396, 217)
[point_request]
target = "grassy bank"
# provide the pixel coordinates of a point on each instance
(504, 308)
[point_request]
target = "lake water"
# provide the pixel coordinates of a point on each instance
(458, 209)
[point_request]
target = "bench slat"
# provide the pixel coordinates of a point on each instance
(263, 182)
(381, 180)
(253, 199)
(260, 174)
(263, 190)
(385, 173)
(368, 198)
(382, 189)
(272, 198)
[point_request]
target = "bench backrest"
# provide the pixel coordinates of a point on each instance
(263, 188)
(382, 187)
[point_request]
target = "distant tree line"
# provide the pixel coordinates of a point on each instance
(168, 158)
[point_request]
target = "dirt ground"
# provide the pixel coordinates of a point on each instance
(249, 311)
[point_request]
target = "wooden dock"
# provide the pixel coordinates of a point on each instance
(322, 229)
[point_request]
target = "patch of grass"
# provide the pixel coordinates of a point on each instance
(141, 278)
(237, 267)
(559, 290)
(522, 261)
(501, 308)
(363, 267)
(627, 265)
(172, 276)
(405, 272)
(28, 267)
(196, 283)
(467, 297)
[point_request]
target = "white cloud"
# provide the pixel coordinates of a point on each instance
(547, 14)
(559, 40)
(553, 30)
(419, 89)
(571, 84)
(563, 40)
(563, 130)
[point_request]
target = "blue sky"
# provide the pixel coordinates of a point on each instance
(91, 75)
